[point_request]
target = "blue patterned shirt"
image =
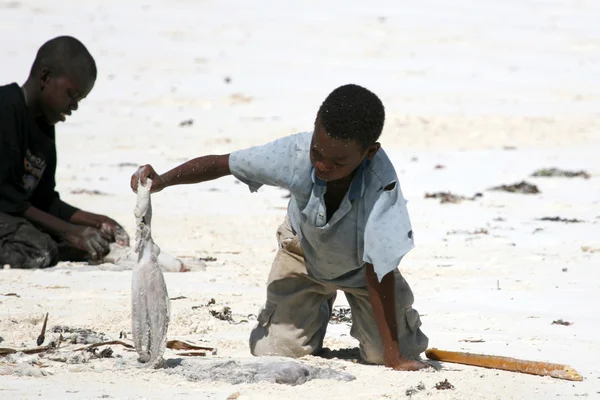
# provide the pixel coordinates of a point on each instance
(371, 224)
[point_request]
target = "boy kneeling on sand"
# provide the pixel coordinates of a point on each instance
(37, 228)
(347, 228)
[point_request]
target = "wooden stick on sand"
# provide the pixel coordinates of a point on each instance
(505, 363)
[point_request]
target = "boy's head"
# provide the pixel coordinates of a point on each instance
(348, 125)
(63, 73)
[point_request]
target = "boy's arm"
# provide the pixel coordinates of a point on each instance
(84, 238)
(198, 170)
(382, 298)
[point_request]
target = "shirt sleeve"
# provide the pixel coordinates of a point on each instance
(388, 233)
(272, 164)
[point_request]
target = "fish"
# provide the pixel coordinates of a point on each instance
(150, 303)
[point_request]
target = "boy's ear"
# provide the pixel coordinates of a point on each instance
(372, 150)
(44, 77)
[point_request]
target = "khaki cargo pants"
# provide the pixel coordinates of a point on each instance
(294, 319)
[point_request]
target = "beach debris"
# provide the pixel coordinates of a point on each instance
(556, 172)
(227, 79)
(104, 353)
(224, 314)
(479, 231)
(178, 298)
(439, 166)
(414, 390)
(23, 365)
(341, 315)
(559, 219)
(590, 249)
(561, 322)
(505, 363)
(90, 192)
(110, 342)
(209, 303)
(207, 259)
(11, 295)
(520, 187)
(127, 164)
(233, 396)
(472, 340)
(149, 296)
(42, 337)
(80, 335)
(448, 197)
(187, 122)
(193, 354)
(444, 385)
(252, 370)
(4, 351)
(180, 345)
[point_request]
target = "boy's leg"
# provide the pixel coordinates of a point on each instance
(294, 319)
(411, 340)
(24, 246)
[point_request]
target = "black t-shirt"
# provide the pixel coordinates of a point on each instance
(27, 159)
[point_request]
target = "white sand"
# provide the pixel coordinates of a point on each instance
(461, 80)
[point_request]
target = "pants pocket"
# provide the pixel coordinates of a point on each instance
(413, 320)
(266, 313)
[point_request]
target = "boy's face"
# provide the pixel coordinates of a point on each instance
(60, 94)
(335, 159)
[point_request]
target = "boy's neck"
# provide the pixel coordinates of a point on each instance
(343, 183)
(31, 98)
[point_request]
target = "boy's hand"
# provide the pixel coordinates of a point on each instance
(114, 231)
(108, 227)
(89, 240)
(142, 174)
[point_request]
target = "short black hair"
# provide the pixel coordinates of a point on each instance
(65, 55)
(352, 112)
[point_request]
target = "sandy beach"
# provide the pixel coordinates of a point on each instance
(477, 93)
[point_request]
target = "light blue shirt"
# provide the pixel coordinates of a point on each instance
(371, 224)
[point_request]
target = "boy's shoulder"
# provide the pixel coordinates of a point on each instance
(12, 104)
(12, 107)
(300, 140)
(11, 95)
(380, 171)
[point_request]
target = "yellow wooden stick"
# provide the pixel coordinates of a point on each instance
(505, 363)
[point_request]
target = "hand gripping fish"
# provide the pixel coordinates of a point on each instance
(149, 297)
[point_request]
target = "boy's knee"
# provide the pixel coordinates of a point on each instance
(266, 342)
(27, 247)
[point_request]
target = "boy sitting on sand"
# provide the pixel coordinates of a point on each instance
(347, 228)
(37, 228)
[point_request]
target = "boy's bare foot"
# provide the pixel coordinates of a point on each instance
(410, 365)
